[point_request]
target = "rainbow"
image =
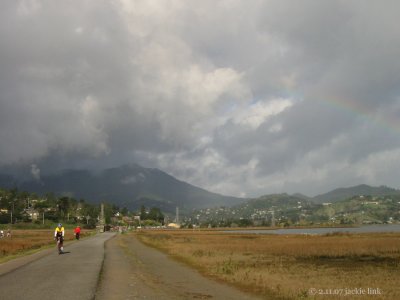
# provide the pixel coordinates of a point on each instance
(372, 115)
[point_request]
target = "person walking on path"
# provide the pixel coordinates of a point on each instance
(77, 232)
(59, 237)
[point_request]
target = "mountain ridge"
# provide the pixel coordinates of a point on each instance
(358, 190)
(132, 185)
(128, 186)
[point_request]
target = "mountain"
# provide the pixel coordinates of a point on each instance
(359, 190)
(128, 186)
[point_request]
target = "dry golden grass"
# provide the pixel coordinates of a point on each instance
(26, 241)
(288, 267)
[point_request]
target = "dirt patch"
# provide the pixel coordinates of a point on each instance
(134, 271)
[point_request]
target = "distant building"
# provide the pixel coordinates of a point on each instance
(173, 226)
(31, 213)
(127, 219)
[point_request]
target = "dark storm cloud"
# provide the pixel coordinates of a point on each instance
(240, 97)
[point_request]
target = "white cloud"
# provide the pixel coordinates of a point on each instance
(35, 171)
(28, 7)
(134, 179)
(255, 114)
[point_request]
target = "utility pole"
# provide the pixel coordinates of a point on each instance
(12, 211)
(273, 219)
(177, 215)
(102, 221)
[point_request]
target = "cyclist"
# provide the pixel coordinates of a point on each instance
(59, 237)
(77, 232)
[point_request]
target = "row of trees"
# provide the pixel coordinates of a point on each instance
(153, 214)
(17, 206)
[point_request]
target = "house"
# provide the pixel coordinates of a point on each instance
(31, 213)
(127, 219)
(371, 202)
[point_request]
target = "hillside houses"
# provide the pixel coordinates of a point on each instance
(284, 210)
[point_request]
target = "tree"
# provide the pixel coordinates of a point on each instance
(109, 211)
(244, 223)
(143, 215)
(63, 206)
(124, 211)
(51, 199)
(156, 215)
(41, 208)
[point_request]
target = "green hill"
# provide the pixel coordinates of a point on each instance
(359, 190)
(284, 210)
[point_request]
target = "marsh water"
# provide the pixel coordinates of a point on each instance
(323, 230)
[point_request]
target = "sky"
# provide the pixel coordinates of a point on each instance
(239, 97)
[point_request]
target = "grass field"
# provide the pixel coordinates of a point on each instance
(337, 266)
(27, 241)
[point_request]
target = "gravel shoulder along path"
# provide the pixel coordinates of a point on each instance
(132, 270)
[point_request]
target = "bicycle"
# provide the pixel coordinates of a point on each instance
(59, 237)
(60, 243)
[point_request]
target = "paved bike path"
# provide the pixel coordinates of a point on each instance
(73, 275)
